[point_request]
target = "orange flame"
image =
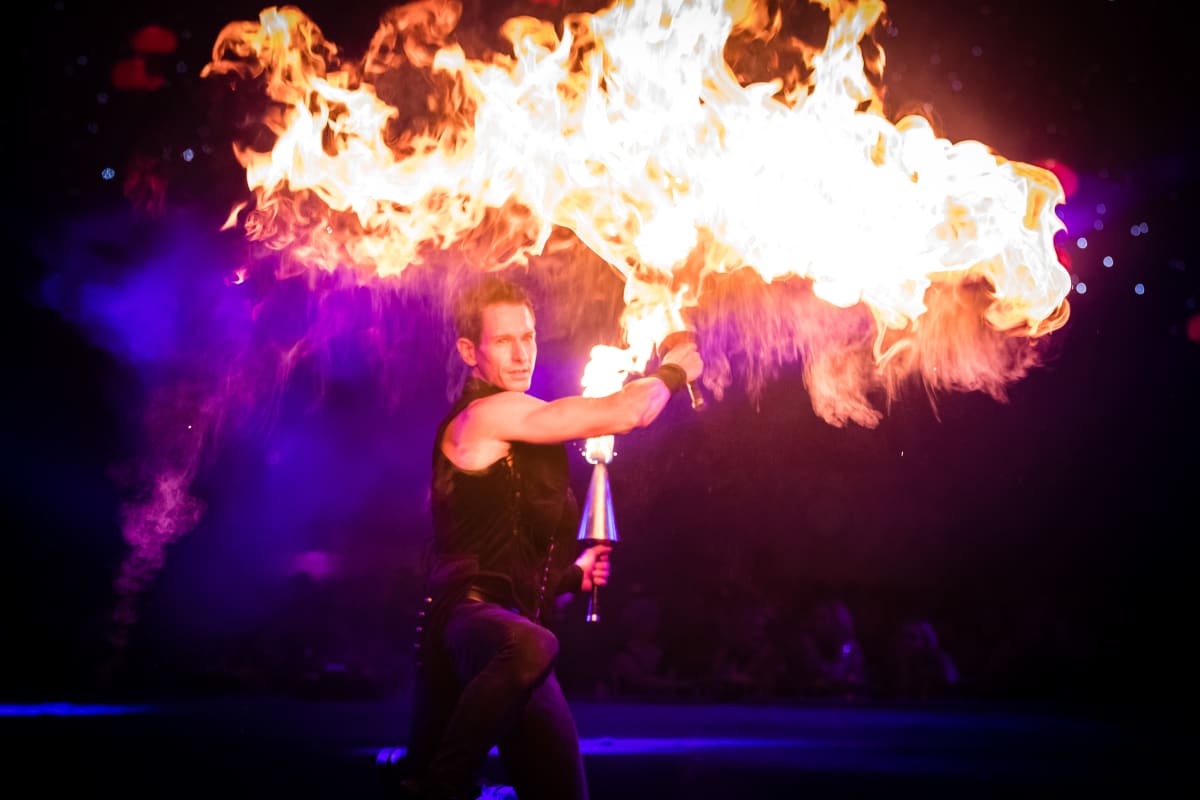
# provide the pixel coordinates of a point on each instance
(629, 128)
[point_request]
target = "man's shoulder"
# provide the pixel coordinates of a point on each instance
(496, 416)
(482, 431)
(500, 402)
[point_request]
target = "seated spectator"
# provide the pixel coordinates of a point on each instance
(639, 668)
(830, 658)
(748, 663)
(921, 669)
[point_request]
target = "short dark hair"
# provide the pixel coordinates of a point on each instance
(483, 292)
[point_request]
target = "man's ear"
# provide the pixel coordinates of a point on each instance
(466, 351)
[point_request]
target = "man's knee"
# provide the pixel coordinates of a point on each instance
(534, 653)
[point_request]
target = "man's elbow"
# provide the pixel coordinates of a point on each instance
(638, 415)
(625, 425)
(634, 410)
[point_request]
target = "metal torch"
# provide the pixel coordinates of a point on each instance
(598, 525)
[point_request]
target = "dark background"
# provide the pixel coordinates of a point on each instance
(1046, 537)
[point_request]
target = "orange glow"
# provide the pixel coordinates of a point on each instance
(1066, 176)
(231, 220)
(630, 129)
(154, 39)
(129, 74)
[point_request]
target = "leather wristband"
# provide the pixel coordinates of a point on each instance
(673, 375)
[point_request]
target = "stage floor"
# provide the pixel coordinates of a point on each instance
(235, 747)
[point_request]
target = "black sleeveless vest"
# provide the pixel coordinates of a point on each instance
(508, 530)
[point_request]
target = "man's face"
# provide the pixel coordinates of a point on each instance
(507, 347)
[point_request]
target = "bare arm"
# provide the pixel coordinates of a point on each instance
(636, 405)
(481, 433)
(527, 419)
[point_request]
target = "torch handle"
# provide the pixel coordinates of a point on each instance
(693, 387)
(593, 614)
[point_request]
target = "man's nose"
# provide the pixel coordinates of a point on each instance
(522, 353)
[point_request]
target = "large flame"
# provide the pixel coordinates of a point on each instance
(632, 129)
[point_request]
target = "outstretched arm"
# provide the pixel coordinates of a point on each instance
(517, 417)
(520, 418)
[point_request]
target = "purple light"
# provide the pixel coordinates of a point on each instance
(68, 710)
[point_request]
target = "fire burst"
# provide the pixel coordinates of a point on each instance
(694, 146)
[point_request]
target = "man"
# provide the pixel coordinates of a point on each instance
(505, 527)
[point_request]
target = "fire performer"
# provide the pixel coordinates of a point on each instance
(504, 522)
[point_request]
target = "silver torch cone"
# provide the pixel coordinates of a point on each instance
(598, 525)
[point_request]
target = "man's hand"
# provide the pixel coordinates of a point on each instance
(686, 355)
(595, 565)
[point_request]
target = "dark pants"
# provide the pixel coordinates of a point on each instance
(510, 699)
